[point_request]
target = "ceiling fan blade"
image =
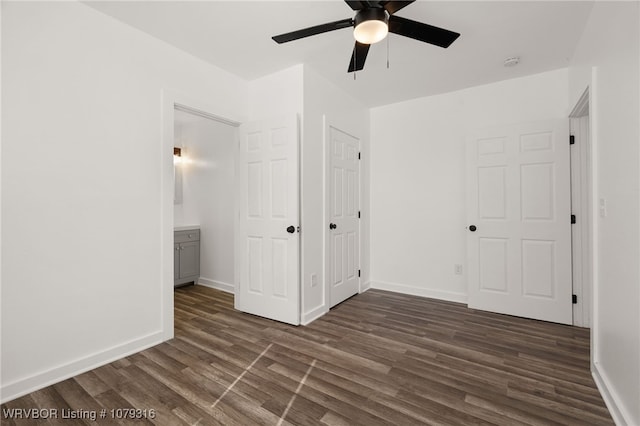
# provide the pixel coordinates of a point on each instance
(356, 5)
(394, 6)
(422, 32)
(318, 29)
(358, 56)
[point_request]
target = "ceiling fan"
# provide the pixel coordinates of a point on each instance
(372, 22)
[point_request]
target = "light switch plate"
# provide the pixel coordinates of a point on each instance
(602, 204)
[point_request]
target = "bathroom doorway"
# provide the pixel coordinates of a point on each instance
(204, 192)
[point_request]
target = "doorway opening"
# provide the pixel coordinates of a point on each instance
(174, 105)
(258, 185)
(204, 200)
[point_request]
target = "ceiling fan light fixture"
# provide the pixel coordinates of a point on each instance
(371, 25)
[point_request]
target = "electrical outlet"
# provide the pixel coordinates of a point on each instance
(314, 280)
(457, 269)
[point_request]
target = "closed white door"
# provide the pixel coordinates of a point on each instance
(268, 232)
(344, 203)
(519, 221)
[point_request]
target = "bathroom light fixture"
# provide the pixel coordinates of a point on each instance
(371, 25)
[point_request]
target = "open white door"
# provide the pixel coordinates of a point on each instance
(344, 203)
(519, 221)
(268, 228)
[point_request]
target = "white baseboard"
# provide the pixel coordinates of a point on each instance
(30, 384)
(312, 315)
(365, 286)
(620, 415)
(420, 291)
(218, 285)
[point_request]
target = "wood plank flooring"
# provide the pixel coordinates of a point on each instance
(379, 358)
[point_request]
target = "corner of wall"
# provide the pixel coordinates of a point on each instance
(313, 314)
(321, 97)
(277, 94)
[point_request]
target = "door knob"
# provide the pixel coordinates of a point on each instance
(332, 226)
(472, 228)
(291, 229)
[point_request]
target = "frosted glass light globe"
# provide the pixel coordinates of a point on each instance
(370, 32)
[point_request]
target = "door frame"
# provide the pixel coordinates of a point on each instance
(581, 200)
(327, 122)
(170, 99)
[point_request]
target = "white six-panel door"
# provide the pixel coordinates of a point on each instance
(518, 187)
(344, 198)
(268, 233)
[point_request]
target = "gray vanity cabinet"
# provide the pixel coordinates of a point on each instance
(186, 256)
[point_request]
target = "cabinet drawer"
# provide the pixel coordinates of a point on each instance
(186, 236)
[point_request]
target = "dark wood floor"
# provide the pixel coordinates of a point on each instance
(379, 358)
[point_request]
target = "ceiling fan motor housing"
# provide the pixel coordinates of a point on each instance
(371, 25)
(371, 14)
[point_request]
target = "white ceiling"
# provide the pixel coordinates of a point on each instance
(236, 36)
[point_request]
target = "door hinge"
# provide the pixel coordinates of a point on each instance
(358, 272)
(358, 156)
(573, 219)
(572, 139)
(358, 214)
(574, 298)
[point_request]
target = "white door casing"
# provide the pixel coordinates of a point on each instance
(580, 202)
(518, 197)
(269, 254)
(343, 225)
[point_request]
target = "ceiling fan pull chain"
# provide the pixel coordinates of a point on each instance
(355, 62)
(388, 52)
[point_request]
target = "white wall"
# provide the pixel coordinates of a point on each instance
(322, 97)
(418, 215)
(208, 176)
(276, 94)
(606, 59)
(81, 186)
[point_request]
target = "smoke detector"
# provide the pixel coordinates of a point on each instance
(511, 62)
